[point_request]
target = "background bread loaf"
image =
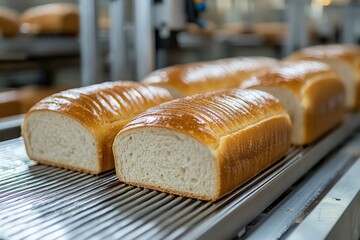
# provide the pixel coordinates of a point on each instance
(10, 103)
(51, 18)
(345, 60)
(189, 79)
(9, 22)
(311, 92)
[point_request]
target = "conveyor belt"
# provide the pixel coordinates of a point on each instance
(41, 202)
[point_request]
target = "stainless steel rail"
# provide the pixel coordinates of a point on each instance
(41, 202)
(91, 64)
(117, 40)
(337, 216)
(296, 18)
(291, 211)
(144, 38)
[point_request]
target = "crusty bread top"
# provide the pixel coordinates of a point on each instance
(51, 8)
(104, 103)
(348, 53)
(203, 77)
(294, 75)
(208, 117)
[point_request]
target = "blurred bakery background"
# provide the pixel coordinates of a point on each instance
(49, 45)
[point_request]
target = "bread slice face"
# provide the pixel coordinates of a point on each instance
(75, 129)
(166, 160)
(203, 146)
(59, 140)
(344, 60)
(348, 77)
(312, 94)
(293, 106)
(189, 79)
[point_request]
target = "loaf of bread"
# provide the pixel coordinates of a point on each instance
(62, 18)
(75, 129)
(345, 60)
(188, 79)
(9, 22)
(271, 32)
(203, 146)
(9, 103)
(237, 28)
(311, 92)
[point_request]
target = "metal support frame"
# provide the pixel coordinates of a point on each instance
(144, 38)
(350, 17)
(117, 40)
(89, 43)
(337, 215)
(298, 34)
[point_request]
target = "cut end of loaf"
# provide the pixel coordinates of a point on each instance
(163, 159)
(294, 109)
(348, 78)
(55, 139)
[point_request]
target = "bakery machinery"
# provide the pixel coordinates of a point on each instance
(313, 192)
(157, 22)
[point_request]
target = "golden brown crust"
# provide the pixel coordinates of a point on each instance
(167, 190)
(9, 22)
(208, 117)
(246, 130)
(65, 166)
(103, 109)
(201, 77)
(244, 154)
(292, 75)
(105, 103)
(52, 18)
(318, 88)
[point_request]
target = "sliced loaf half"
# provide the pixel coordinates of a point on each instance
(203, 146)
(75, 129)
